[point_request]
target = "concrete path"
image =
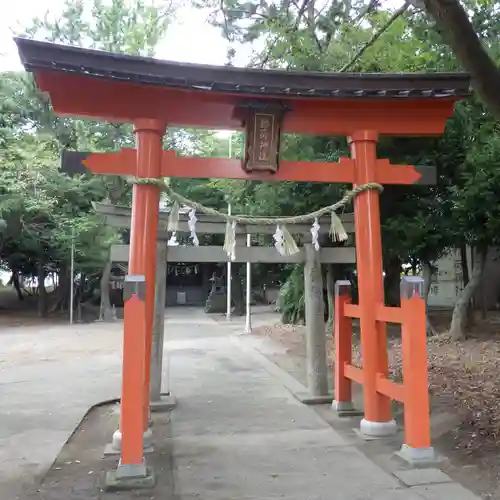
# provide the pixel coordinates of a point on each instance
(239, 434)
(49, 378)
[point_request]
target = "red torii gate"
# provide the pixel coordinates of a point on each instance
(152, 94)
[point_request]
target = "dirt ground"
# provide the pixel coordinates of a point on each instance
(16, 313)
(465, 394)
(79, 470)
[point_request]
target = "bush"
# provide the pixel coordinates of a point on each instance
(291, 301)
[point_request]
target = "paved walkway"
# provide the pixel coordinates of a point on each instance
(49, 378)
(238, 434)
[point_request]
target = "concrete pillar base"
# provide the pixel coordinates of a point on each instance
(378, 429)
(346, 409)
(418, 456)
(130, 477)
(166, 402)
(115, 447)
(315, 400)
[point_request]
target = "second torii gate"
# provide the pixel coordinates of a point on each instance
(152, 94)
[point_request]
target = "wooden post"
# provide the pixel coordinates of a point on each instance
(343, 350)
(417, 445)
(144, 233)
(158, 325)
(317, 370)
(377, 420)
(134, 355)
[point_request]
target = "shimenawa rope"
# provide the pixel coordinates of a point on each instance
(285, 243)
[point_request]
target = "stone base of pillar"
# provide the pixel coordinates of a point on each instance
(130, 477)
(115, 447)
(346, 409)
(166, 402)
(378, 429)
(418, 457)
(315, 400)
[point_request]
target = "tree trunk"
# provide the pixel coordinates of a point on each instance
(427, 270)
(330, 291)
(42, 293)
(484, 302)
(106, 311)
(457, 31)
(16, 284)
(464, 264)
(414, 266)
(237, 290)
(63, 289)
(392, 280)
(459, 317)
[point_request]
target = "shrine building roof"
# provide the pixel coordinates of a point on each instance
(249, 82)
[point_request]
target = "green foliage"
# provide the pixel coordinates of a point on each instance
(291, 300)
(418, 223)
(44, 212)
(130, 26)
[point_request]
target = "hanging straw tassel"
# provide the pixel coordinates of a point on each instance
(173, 218)
(289, 245)
(337, 230)
(192, 227)
(315, 234)
(230, 239)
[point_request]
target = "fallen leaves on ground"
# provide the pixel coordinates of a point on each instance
(463, 378)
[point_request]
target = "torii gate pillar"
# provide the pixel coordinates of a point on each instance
(377, 420)
(139, 316)
(144, 228)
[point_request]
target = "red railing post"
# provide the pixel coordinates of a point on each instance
(343, 350)
(417, 444)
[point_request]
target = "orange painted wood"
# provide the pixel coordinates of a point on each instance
(370, 278)
(134, 352)
(395, 174)
(389, 314)
(352, 310)
(354, 373)
(383, 313)
(343, 350)
(120, 163)
(390, 389)
(124, 163)
(415, 375)
(227, 168)
(146, 199)
(79, 95)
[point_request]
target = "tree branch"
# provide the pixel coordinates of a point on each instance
(226, 25)
(458, 32)
(375, 37)
(365, 11)
(301, 12)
